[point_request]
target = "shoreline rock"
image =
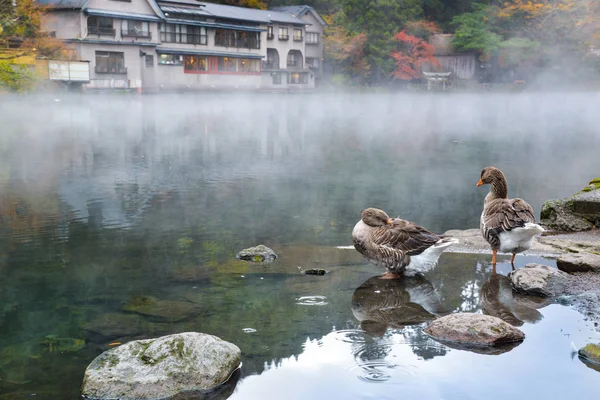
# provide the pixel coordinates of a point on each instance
(161, 368)
(580, 212)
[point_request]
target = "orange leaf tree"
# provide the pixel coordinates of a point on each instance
(412, 53)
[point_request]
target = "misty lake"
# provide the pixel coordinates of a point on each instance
(106, 200)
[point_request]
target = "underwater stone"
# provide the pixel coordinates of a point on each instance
(473, 329)
(112, 325)
(161, 368)
(164, 310)
(540, 280)
(259, 253)
(315, 271)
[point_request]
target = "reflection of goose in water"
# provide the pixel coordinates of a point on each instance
(498, 300)
(380, 304)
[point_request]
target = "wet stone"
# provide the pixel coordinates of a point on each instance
(314, 271)
(579, 262)
(161, 368)
(164, 310)
(257, 254)
(540, 280)
(473, 329)
(590, 355)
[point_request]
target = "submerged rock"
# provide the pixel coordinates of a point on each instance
(314, 271)
(590, 355)
(164, 310)
(473, 329)
(580, 212)
(113, 325)
(161, 368)
(540, 280)
(579, 262)
(259, 253)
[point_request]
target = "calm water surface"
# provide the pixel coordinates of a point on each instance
(120, 218)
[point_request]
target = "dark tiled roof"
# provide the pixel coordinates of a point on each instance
(64, 4)
(299, 11)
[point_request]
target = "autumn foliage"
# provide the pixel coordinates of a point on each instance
(413, 52)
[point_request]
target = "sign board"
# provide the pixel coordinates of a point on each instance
(70, 71)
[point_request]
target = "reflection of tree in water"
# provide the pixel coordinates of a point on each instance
(422, 345)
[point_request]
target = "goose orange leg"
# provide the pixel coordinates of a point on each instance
(494, 260)
(512, 261)
(389, 275)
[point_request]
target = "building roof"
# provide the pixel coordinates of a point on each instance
(162, 50)
(212, 10)
(299, 11)
(64, 4)
(121, 14)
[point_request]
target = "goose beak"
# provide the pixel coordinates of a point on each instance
(480, 182)
(389, 221)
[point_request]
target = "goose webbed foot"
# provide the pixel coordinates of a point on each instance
(389, 275)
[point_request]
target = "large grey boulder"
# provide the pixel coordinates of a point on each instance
(579, 262)
(538, 279)
(473, 329)
(260, 254)
(161, 368)
(580, 212)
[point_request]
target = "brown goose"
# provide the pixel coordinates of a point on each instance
(508, 225)
(397, 245)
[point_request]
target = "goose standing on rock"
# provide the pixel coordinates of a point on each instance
(508, 225)
(399, 246)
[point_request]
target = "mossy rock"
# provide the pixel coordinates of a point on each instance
(161, 368)
(590, 355)
(257, 254)
(593, 185)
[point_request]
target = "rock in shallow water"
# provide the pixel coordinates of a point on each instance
(161, 368)
(259, 253)
(540, 280)
(473, 329)
(590, 355)
(579, 262)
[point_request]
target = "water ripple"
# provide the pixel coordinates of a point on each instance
(312, 301)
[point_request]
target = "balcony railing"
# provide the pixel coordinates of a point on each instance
(298, 38)
(102, 70)
(270, 65)
(284, 37)
(95, 30)
(136, 33)
(178, 37)
(293, 63)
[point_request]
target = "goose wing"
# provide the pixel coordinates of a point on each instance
(502, 215)
(405, 236)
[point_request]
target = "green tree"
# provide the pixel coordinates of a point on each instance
(380, 20)
(475, 31)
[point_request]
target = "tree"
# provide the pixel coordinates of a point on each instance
(345, 50)
(475, 31)
(379, 20)
(411, 54)
(245, 3)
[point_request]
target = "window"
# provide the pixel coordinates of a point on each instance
(138, 29)
(298, 78)
(100, 26)
(175, 33)
(195, 63)
(149, 61)
(312, 38)
(232, 38)
(297, 35)
(283, 33)
(312, 63)
(170, 59)
(276, 78)
(242, 65)
(293, 59)
(110, 63)
(270, 34)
